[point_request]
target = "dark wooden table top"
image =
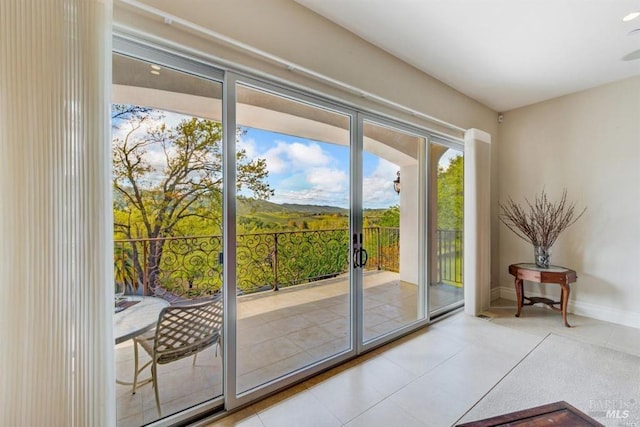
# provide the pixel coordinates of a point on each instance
(558, 414)
(553, 274)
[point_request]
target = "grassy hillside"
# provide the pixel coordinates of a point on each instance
(260, 215)
(251, 206)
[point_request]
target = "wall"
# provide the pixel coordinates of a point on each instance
(285, 29)
(588, 143)
(409, 259)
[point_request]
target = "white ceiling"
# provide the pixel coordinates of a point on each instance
(503, 53)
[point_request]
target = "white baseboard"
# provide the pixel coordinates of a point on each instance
(586, 309)
(495, 294)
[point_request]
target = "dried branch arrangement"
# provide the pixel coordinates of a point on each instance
(543, 222)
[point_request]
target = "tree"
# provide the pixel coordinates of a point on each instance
(390, 217)
(451, 195)
(166, 176)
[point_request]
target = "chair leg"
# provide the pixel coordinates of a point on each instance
(154, 376)
(195, 356)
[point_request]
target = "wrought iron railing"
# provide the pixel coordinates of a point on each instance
(172, 267)
(449, 249)
(383, 246)
(290, 257)
(187, 267)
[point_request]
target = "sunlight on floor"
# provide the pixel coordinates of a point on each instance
(278, 332)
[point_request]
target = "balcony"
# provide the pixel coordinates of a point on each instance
(278, 332)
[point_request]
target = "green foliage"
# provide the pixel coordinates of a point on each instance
(123, 265)
(257, 215)
(450, 221)
(158, 196)
(451, 195)
(450, 257)
(390, 217)
(168, 184)
(268, 255)
(281, 259)
(453, 274)
(260, 215)
(168, 181)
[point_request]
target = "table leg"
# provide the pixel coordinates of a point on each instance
(519, 294)
(136, 382)
(565, 302)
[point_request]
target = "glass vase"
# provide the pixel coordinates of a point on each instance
(542, 256)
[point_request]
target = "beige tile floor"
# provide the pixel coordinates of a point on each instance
(278, 332)
(429, 378)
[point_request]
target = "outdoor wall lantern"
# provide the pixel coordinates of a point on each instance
(396, 183)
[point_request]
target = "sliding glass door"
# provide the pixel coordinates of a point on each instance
(446, 206)
(167, 193)
(392, 212)
(317, 230)
(292, 235)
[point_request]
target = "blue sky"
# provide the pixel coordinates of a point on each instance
(311, 172)
(301, 171)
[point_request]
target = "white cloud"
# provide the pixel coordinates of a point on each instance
(295, 156)
(385, 169)
(378, 187)
(312, 196)
(312, 180)
(327, 179)
(156, 159)
(122, 127)
(304, 156)
(249, 145)
(275, 163)
(320, 185)
(379, 192)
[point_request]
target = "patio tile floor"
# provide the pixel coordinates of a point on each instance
(278, 332)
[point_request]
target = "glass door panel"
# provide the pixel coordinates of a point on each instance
(446, 206)
(167, 139)
(292, 243)
(391, 191)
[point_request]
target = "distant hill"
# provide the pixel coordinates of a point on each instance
(249, 206)
(291, 207)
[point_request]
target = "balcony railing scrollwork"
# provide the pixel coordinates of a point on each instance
(191, 267)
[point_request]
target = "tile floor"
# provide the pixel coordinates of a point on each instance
(277, 333)
(429, 378)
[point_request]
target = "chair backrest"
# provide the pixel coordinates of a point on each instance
(184, 330)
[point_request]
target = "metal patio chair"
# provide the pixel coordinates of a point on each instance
(182, 330)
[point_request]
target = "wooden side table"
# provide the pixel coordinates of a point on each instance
(554, 274)
(558, 414)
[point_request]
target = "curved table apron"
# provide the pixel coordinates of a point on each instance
(138, 318)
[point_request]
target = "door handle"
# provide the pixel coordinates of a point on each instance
(365, 255)
(360, 255)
